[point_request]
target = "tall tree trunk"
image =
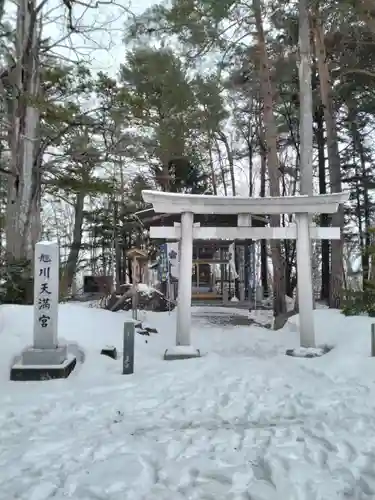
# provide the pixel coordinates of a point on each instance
(250, 135)
(305, 97)
(263, 243)
(2, 9)
(222, 169)
(122, 234)
(362, 184)
(279, 304)
(361, 233)
(367, 216)
(324, 219)
(306, 116)
(71, 264)
(24, 118)
(212, 169)
(223, 138)
(336, 282)
(117, 248)
(251, 164)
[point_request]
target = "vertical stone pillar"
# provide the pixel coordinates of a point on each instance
(46, 295)
(184, 280)
(46, 349)
(45, 359)
(304, 281)
(183, 348)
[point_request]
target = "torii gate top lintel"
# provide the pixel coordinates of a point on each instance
(174, 203)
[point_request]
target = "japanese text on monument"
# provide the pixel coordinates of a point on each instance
(44, 303)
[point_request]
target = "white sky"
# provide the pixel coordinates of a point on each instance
(103, 46)
(100, 44)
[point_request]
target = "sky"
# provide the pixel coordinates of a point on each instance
(103, 48)
(101, 45)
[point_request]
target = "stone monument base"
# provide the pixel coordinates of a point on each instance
(47, 356)
(37, 368)
(181, 352)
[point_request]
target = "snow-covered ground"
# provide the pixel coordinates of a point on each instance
(242, 422)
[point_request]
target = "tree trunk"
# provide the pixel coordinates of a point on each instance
(305, 97)
(212, 169)
(251, 164)
(306, 117)
(24, 184)
(222, 169)
(2, 5)
(279, 304)
(361, 185)
(117, 250)
(336, 282)
(364, 255)
(324, 219)
(71, 265)
(263, 243)
(224, 140)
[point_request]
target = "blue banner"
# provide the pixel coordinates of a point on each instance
(252, 277)
(163, 263)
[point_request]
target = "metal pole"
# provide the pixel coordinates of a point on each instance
(128, 350)
(373, 340)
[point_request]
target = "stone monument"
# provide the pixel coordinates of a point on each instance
(45, 359)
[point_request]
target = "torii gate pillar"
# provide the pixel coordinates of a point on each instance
(184, 280)
(304, 280)
(186, 205)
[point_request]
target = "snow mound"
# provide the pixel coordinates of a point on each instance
(242, 421)
(145, 289)
(308, 352)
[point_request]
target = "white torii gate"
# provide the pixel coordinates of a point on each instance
(189, 204)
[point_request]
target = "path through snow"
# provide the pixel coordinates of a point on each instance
(208, 433)
(243, 422)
